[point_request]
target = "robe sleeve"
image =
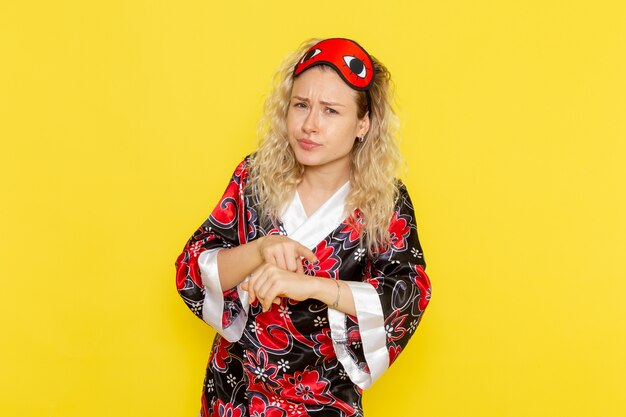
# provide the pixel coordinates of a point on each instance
(197, 278)
(389, 301)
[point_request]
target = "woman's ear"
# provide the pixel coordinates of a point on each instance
(364, 124)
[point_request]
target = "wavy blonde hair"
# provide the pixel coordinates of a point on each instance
(275, 172)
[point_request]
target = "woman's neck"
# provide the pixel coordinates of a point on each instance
(323, 180)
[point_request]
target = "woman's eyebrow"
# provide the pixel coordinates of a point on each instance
(327, 103)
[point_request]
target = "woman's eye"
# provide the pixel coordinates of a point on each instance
(301, 105)
(332, 110)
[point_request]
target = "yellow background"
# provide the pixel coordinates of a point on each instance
(121, 122)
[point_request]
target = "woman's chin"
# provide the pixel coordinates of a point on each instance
(307, 158)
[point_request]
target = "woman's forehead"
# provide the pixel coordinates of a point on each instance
(322, 85)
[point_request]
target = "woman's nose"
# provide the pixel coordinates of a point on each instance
(310, 123)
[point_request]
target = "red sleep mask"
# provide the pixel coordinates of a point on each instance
(351, 61)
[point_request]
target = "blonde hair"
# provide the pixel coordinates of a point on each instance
(275, 172)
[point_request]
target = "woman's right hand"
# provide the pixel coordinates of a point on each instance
(284, 252)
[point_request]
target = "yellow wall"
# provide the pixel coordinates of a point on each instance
(120, 123)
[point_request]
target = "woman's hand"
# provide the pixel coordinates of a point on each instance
(268, 282)
(284, 252)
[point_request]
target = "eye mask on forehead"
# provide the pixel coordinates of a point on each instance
(347, 57)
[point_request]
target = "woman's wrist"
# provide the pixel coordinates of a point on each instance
(331, 291)
(258, 248)
(235, 263)
(327, 291)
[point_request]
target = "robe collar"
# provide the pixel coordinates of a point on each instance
(310, 231)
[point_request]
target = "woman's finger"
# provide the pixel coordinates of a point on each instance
(270, 285)
(274, 290)
(258, 284)
(291, 259)
(300, 266)
(307, 253)
(263, 291)
(250, 288)
(280, 260)
(284, 252)
(252, 282)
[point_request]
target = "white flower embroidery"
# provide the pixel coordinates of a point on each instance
(277, 401)
(295, 408)
(196, 307)
(342, 374)
(358, 254)
(260, 373)
(413, 326)
(283, 365)
(231, 380)
(416, 253)
(389, 330)
(195, 248)
(320, 321)
(210, 385)
(255, 328)
(284, 311)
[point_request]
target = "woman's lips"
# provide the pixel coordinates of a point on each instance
(307, 144)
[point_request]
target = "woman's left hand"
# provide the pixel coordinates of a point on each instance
(268, 282)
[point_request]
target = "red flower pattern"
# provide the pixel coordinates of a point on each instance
(394, 351)
(305, 387)
(393, 325)
(219, 354)
(260, 408)
(399, 229)
(327, 263)
(324, 346)
(225, 212)
(227, 409)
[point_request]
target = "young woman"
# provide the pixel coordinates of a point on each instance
(309, 267)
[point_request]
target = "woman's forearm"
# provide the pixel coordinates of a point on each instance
(234, 264)
(326, 291)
